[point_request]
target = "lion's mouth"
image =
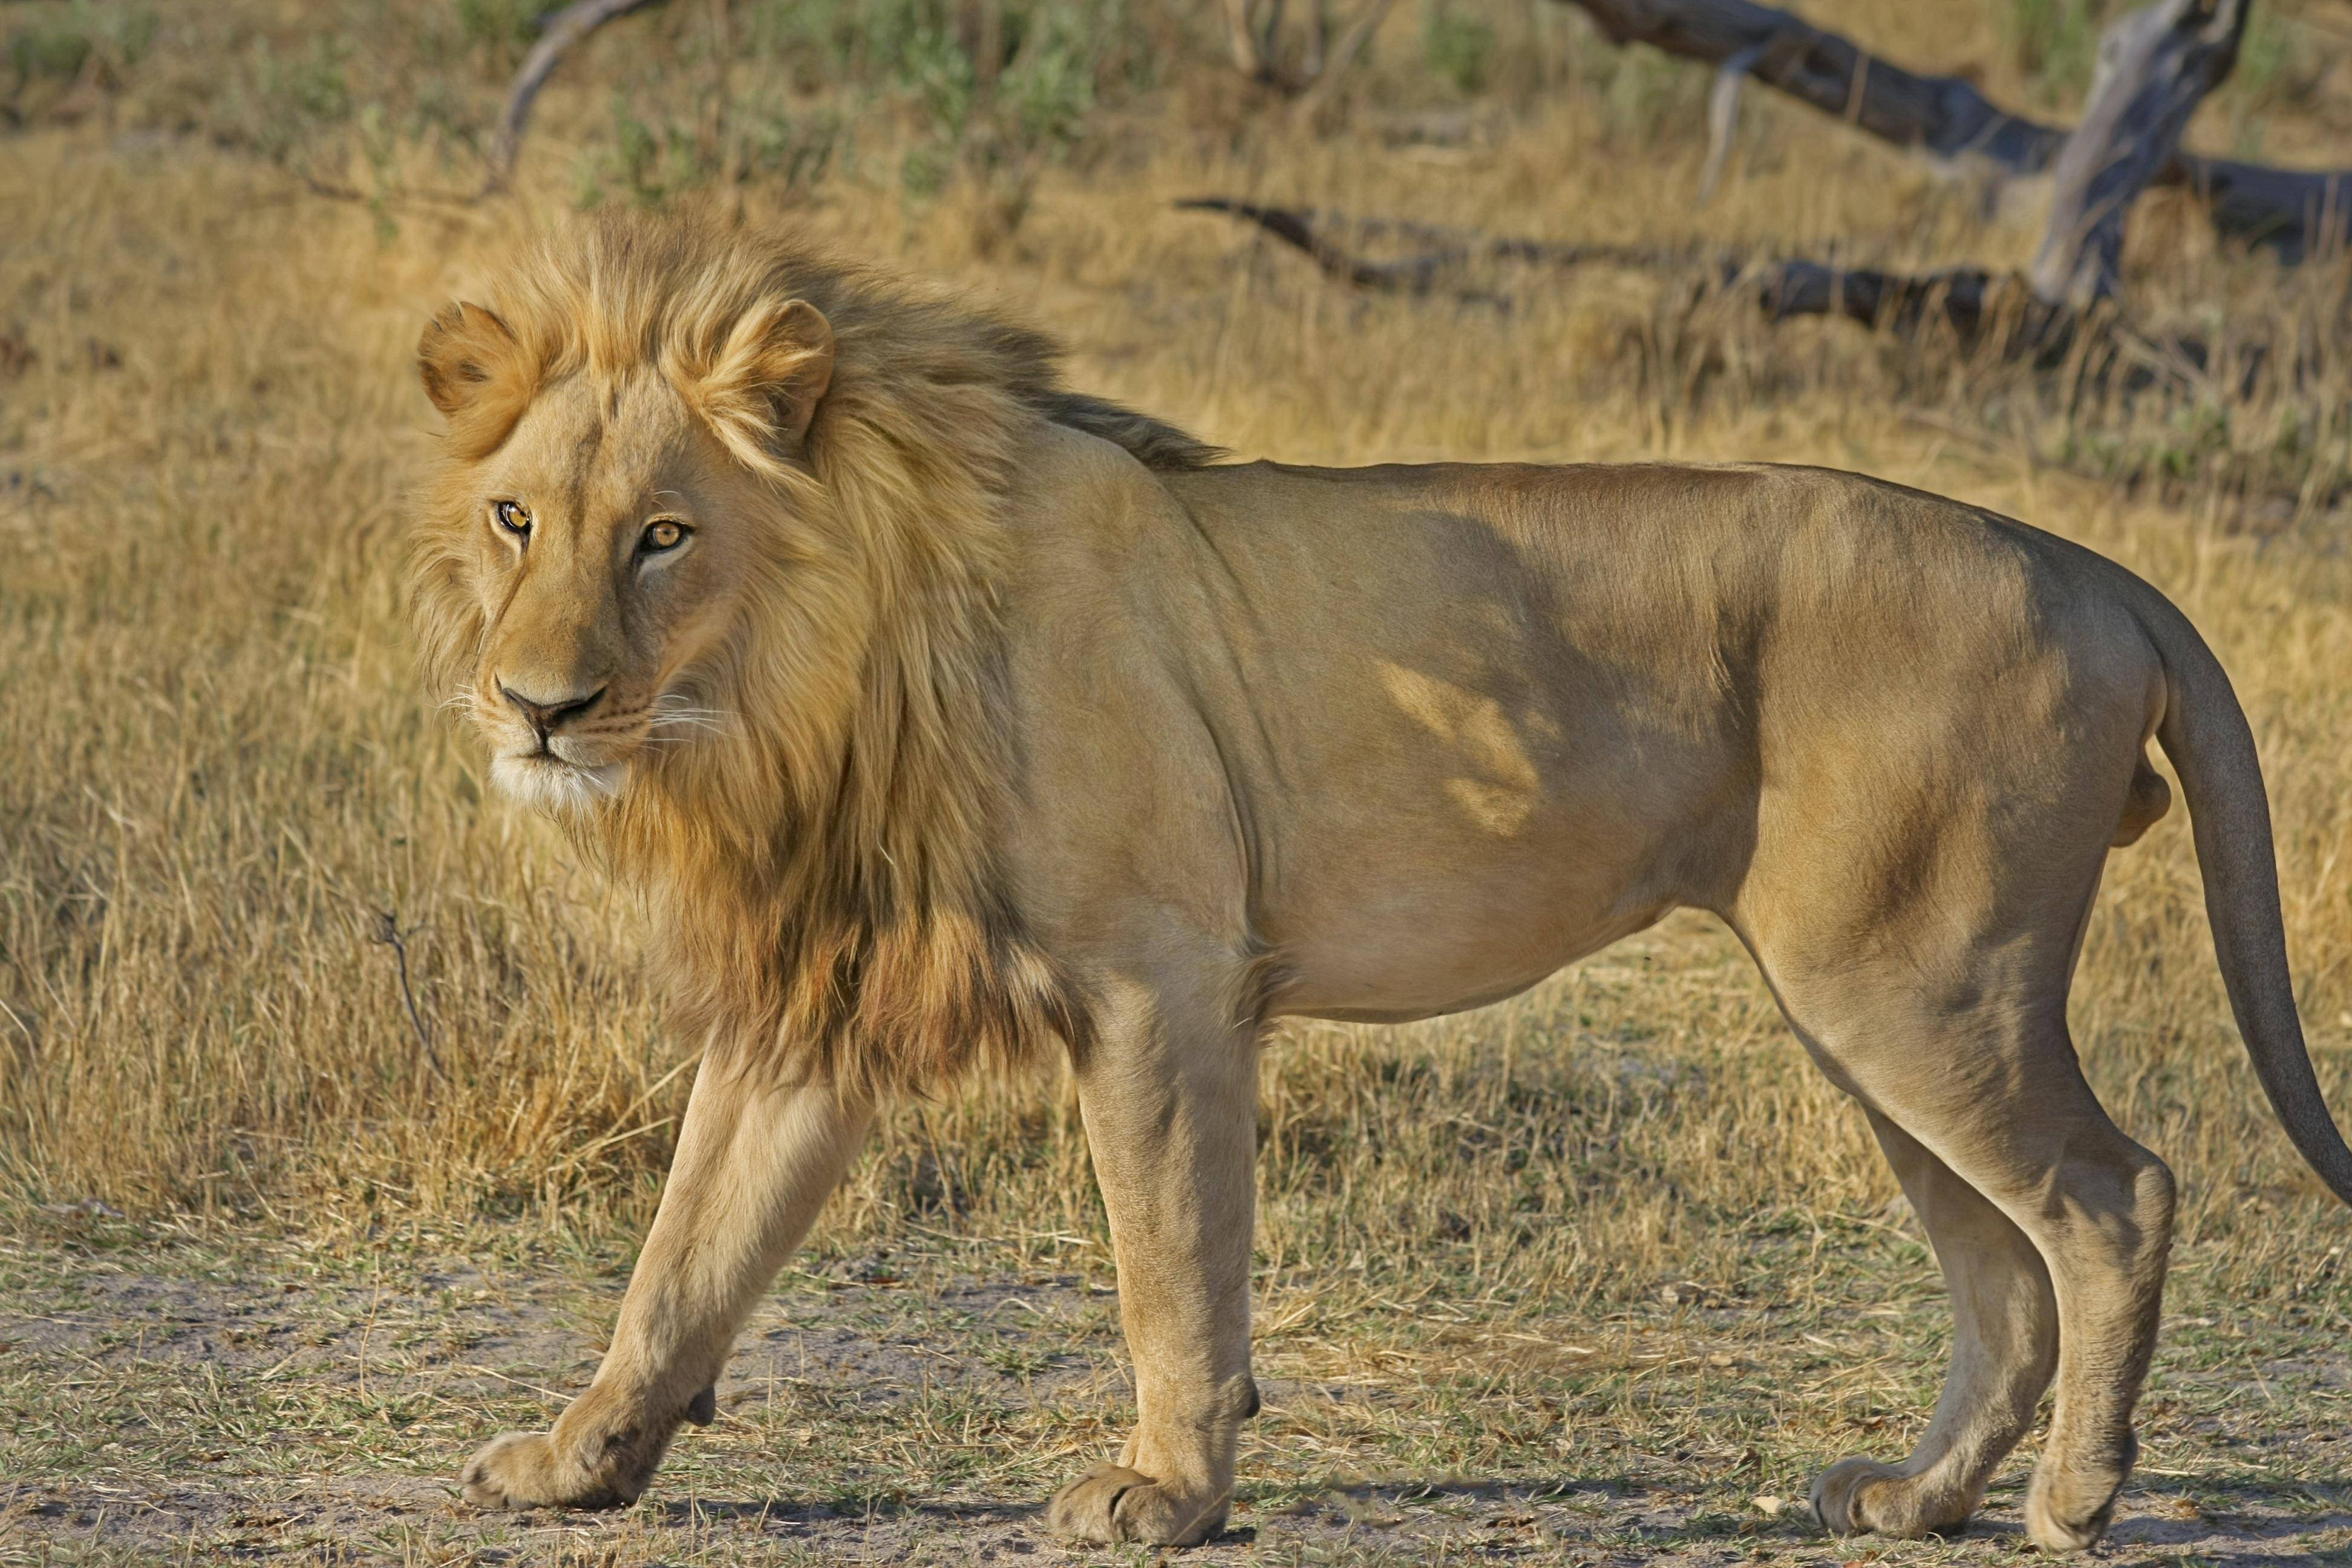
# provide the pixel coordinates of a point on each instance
(552, 782)
(571, 769)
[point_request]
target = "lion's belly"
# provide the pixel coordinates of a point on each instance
(1428, 984)
(1467, 931)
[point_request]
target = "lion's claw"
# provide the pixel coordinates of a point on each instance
(1110, 1504)
(522, 1469)
(495, 1476)
(1863, 1496)
(2067, 1511)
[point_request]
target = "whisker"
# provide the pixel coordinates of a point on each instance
(671, 708)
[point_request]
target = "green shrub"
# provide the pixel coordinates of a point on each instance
(1459, 46)
(1049, 86)
(2057, 45)
(59, 53)
(62, 48)
(507, 26)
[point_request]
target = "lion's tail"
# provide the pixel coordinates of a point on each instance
(2205, 732)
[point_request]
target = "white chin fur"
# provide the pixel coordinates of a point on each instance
(553, 787)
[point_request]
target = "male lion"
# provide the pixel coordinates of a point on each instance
(945, 717)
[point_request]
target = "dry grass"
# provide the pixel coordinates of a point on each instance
(216, 770)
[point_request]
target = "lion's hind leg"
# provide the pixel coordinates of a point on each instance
(2004, 1349)
(1926, 860)
(1982, 1077)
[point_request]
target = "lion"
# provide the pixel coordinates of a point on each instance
(946, 719)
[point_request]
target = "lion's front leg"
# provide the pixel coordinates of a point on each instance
(755, 1163)
(1170, 1097)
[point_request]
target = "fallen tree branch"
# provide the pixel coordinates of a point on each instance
(560, 32)
(2156, 66)
(1979, 306)
(2292, 212)
(1942, 115)
(1992, 315)
(1448, 249)
(1994, 312)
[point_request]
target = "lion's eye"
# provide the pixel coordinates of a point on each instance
(663, 534)
(513, 518)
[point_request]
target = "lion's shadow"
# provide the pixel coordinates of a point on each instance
(2248, 1516)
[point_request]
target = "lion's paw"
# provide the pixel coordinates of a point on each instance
(1111, 1503)
(1863, 1497)
(522, 1469)
(2066, 1513)
(2062, 1538)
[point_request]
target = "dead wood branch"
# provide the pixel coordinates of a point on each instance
(1942, 115)
(2290, 211)
(1242, 37)
(1446, 251)
(2156, 66)
(1723, 116)
(1994, 314)
(1977, 305)
(562, 31)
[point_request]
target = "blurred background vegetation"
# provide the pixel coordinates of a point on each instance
(792, 92)
(920, 101)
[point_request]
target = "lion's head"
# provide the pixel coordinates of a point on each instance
(688, 476)
(707, 558)
(620, 528)
(625, 548)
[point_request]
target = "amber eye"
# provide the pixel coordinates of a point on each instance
(513, 518)
(662, 533)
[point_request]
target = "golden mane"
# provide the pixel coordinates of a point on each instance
(826, 892)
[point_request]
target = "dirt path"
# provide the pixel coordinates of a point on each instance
(184, 1405)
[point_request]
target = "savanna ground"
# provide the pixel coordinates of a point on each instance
(1605, 1273)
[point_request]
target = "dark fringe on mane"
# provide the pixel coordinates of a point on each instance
(1154, 443)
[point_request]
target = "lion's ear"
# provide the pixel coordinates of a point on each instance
(763, 386)
(476, 372)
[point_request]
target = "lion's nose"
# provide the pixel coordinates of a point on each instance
(546, 718)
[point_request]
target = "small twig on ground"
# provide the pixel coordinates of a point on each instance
(388, 934)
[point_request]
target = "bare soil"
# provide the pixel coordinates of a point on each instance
(177, 1403)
